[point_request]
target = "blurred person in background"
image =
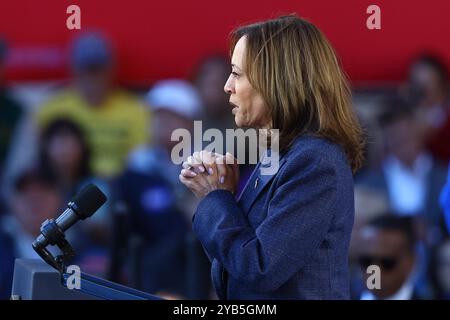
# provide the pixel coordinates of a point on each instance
(158, 208)
(411, 179)
(114, 120)
(175, 104)
(409, 176)
(210, 75)
(445, 201)
(64, 153)
(440, 268)
(389, 242)
(6, 265)
(428, 89)
(35, 199)
(10, 114)
(149, 249)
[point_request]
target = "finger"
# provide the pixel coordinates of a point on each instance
(229, 159)
(195, 162)
(200, 179)
(198, 185)
(191, 183)
(185, 165)
(197, 156)
(219, 158)
(208, 157)
(208, 161)
(187, 182)
(197, 169)
(216, 155)
(188, 173)
(221, 168)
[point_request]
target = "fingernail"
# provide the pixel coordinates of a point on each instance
(210, 171)
(201, 169)
(193, 174)
(222, 179)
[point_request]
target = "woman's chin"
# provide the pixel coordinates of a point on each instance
(238, 122)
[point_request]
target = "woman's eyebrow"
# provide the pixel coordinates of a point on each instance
(235, 66)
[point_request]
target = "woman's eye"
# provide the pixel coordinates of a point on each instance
(235, 74)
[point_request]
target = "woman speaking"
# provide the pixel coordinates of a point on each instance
(287, 235)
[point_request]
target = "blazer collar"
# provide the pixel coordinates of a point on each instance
(256, 183)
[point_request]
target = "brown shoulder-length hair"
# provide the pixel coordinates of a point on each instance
(294, 67)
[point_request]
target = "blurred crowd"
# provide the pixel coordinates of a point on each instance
(90, 129)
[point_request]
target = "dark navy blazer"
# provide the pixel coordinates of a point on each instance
(287, 237)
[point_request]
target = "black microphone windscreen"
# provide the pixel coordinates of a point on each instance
(88, 200)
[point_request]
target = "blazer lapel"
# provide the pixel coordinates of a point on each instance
(255, 185)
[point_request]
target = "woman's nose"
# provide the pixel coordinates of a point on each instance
(227, 90)
(228, 87)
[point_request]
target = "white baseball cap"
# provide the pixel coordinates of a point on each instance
(176, 95)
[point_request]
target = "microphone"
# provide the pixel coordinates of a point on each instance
(82, 206)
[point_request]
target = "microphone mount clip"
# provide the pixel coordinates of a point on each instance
(56, 237)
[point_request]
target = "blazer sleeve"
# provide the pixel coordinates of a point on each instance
(299, 215)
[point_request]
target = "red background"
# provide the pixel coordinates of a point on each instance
(159, 39)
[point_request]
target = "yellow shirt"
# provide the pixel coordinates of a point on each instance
(112, 129)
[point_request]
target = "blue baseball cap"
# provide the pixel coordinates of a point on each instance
(91, 50)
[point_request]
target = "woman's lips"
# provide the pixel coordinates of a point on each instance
(235, 108)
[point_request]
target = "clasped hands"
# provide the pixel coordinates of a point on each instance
(205, 171)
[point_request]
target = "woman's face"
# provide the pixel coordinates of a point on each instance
(65, 152)
(249, 108)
